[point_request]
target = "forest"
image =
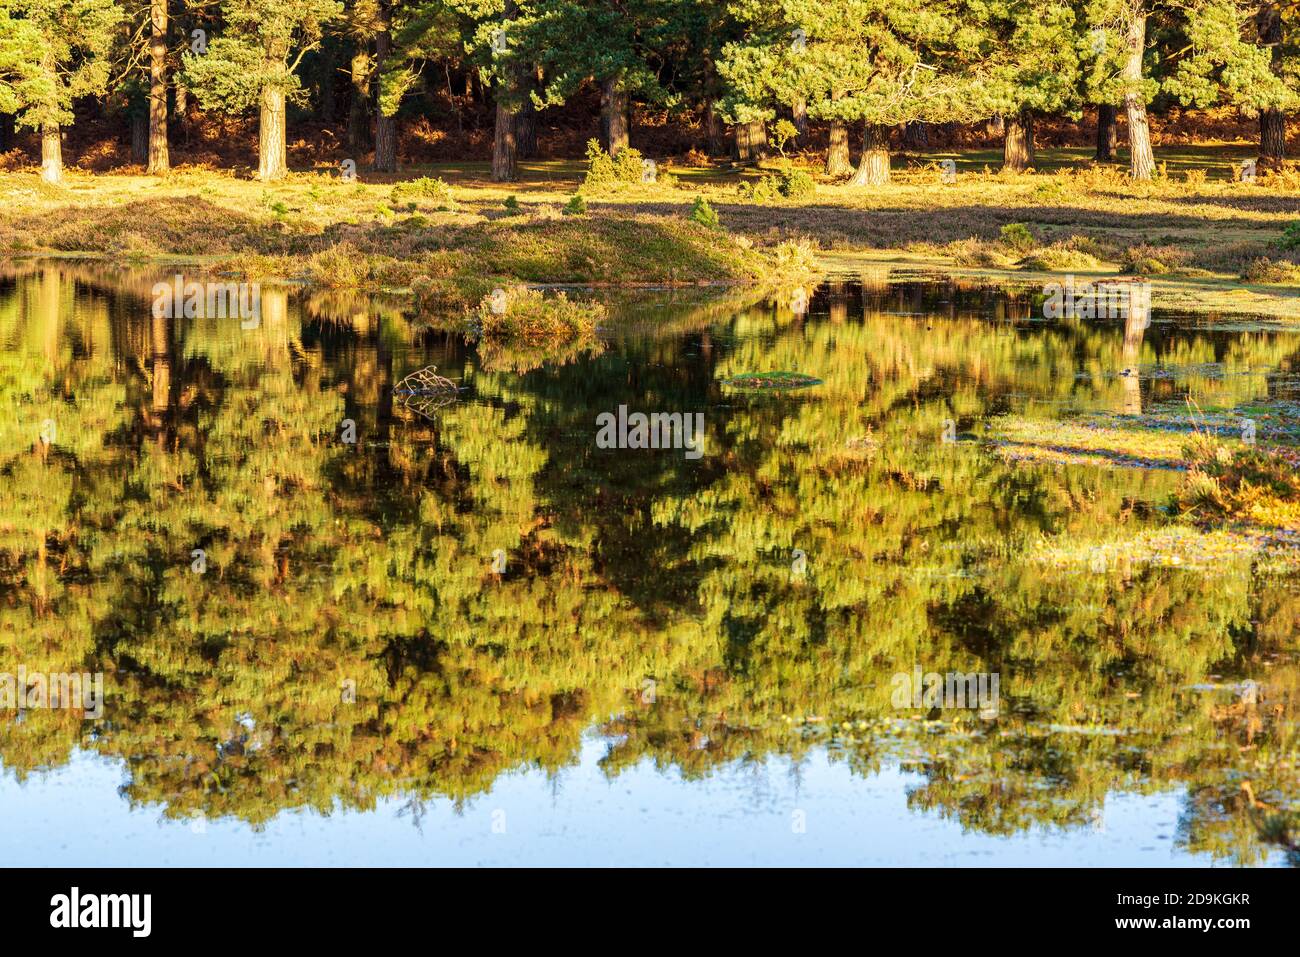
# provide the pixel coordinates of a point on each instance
(380, 79)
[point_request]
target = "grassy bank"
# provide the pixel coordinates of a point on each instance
(1206, 239)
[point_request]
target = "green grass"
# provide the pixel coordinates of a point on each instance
(1215, 240)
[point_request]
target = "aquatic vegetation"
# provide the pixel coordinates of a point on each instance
(769, 381)
(1251, 484)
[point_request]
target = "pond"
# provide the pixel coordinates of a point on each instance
(886, 577)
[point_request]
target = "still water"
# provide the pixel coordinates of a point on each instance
(339, 625)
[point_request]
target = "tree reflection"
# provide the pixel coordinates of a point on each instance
(348, 639)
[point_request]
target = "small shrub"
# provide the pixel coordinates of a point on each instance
(341, 265)
(782, 132)
(697, 159)
(1290, 237)
(512, 206)
(703, 214)
(1196, 177)
(794, 262)
(605, 172)
(1271, 271)
(428, 189)
(1060, 258)
(1148, 260)
(978, 253)
(1018, 237)
(787, 184)
(576, 206)
(529, 316)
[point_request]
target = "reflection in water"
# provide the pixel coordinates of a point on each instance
(349, 637)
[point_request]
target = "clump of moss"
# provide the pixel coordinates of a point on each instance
(525, 315)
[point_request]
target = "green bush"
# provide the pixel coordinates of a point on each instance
(787, 184)
(526, 315)
(1290, 237)
(512, 206)
(1018, 237)
(577, 206)
(605, 172)
(703, 214)
(798, 184)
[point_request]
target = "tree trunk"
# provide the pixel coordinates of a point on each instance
(1135, 324)
(614, 121)
(715, 134)
(751, 141)
(325, 87)
(272, 149)
(1142, 162)
(1272, 122)
(916, 136)
(526, 124)
(799, 115)
(359, 111)
(158, 158)
(139, 138)
(505, 166)
(1018, 145)
(1272, 138)
(51, 154)
(1107, 132)
(385, 123)
(873, 168)
(837, 153)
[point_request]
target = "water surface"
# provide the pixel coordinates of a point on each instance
(474, 635)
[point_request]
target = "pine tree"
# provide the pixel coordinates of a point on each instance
(51, 53)
(1234, 53)
(1029, 64)
(255, 62)
(855, 61)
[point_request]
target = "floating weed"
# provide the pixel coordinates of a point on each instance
(770, 381)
